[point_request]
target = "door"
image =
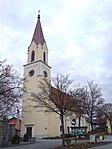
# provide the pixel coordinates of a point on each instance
(29, 132)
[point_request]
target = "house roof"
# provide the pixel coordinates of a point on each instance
(13, 120)
(38, 36)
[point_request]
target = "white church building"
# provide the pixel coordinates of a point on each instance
(38, 123)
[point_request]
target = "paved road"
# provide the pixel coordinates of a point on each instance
(50, 143)
(40, 144)
(107, 146)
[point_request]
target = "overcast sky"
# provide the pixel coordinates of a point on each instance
(78, 35)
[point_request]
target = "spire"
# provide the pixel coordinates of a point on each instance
(38, 36)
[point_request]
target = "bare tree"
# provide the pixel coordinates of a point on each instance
(10, 88)
(108, 113)
(101, 118)
(78, 95)
(56, 99)
(92, 100)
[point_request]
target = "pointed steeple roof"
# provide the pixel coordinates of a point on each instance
(38, 36)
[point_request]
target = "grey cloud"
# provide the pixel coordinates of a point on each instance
(89, 28)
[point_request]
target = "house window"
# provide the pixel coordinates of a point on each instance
(32, 56)
(44, 57)
(45, 74)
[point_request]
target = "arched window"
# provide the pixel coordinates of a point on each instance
(32, 56)
(44, 57)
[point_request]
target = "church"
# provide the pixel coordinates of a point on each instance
(37, 123)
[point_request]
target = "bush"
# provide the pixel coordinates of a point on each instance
(15, 139)
(68, 141)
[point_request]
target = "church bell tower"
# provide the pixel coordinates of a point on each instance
(35, 123)
(37, 61)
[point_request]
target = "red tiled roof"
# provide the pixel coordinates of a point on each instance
(61, 98)
(65, 100)
(38, 36)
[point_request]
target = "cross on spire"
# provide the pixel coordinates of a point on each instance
(39, 14)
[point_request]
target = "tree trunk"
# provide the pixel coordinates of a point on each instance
(111, 125)
(79, 120)
(111, 128)
(91, 121)
(63, 132)
(79, 123)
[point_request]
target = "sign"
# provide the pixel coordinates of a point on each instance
(79, 130)
(92, 138)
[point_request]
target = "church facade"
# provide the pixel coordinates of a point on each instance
(36, 122)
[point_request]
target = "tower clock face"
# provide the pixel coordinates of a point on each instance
(31, 73)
